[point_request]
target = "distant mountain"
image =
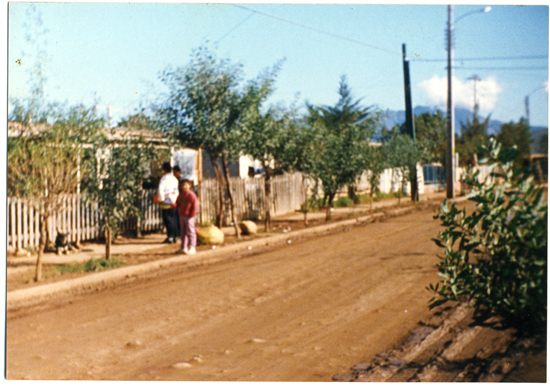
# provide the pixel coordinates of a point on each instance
(397, 117)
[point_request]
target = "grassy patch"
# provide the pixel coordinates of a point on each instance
(91, 265)
(342, 202)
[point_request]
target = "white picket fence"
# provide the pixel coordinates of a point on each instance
(80, 218)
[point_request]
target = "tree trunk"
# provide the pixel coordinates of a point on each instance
(41, 247)
(231, 198)
(138, 227)
(306, 204)
(220, 208)
(352, 192)
(329, 205)
(371, 195)
(107, 243)
(414, 184)
(267, 185)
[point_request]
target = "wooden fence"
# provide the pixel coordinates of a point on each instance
(79, 218)
(249, 194)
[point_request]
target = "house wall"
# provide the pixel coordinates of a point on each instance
(208, 167)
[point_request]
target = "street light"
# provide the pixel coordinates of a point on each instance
(450, 154)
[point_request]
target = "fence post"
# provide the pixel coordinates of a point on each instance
(25, 225)
(31, 228)
(18, 224)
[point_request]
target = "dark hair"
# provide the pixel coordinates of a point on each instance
(187, 181)
(166, 167)
(176, 168)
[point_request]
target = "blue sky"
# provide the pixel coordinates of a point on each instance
(112, 53)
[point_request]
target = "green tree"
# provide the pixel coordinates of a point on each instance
(402, 154)
(264, 139)
(518, 135)
(204, 109)
(263, 134)
(44, 164)
(374, 163)
(138, 121)
(473, 135)
(115, 177)
(430, 132)
(343, 133)
(496, 257)
(300, 153)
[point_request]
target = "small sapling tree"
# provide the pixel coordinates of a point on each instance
(116, 175)
(44, 162)
(374, 164)
(342, 134)
(402, 154)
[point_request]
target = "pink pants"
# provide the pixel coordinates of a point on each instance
(188, 235)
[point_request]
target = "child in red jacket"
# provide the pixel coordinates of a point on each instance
(188, 208)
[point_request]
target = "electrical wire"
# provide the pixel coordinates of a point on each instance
(481, 59)
(501, 68)
(234, 28)
(317, 30)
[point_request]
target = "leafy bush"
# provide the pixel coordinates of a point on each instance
(362, 199)
(343, 202)
(312, 204)
(91, 265)
(389, 195)
(496, 258)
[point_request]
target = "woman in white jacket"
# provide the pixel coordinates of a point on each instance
(166, 198)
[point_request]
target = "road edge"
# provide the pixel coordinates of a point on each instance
(34, 296)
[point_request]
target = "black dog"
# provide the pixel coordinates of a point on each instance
(62, 244)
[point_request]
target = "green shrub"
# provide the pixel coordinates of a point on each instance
(91, 265)
(313, 204)
(390, 195)
(343, 202)
(362, 199)
(496, 258)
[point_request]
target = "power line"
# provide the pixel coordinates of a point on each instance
(317, 30)
(502, 68)
(234, 28)
(482, 59)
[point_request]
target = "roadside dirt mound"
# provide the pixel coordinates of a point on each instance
(445, 348)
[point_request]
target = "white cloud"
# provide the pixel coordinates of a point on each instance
(487, 92)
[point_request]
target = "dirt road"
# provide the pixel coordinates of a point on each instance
(300, 313)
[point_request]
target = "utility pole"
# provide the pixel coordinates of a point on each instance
(450, 154)
(409, 121)
(475, 78)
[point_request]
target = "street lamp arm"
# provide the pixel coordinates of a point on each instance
(537, 89)
(486, 9)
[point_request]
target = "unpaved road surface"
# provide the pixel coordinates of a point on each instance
(303, 312)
